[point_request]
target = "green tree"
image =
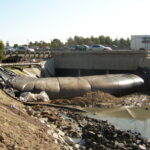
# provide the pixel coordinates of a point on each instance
(56, 43)
(70, 42)
(15, 45)
(102, 39)
(108, 40)
(78, 40)
(116, 42)
(1, 50)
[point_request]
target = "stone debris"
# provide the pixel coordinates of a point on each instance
(93, 133)
(30, 97)
(136, 99)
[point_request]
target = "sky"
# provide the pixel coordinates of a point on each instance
(34, 20)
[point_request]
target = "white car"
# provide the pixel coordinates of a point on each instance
(100, 47)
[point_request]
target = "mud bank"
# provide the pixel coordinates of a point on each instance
(57, 128)
(50, 128)
(91, 133)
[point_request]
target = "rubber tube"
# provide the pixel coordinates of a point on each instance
(64, 87)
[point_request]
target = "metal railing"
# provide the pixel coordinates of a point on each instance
(29, 55)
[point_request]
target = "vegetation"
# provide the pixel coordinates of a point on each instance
(104, 40)
(79, 40)
(1, 50)
(56, 43)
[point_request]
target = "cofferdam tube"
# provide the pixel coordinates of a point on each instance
(65, 87)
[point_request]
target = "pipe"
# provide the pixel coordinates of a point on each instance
(19, 64)
(64, 87)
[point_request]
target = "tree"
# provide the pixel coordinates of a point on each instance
(15, 45)
(56, 43)
(116, 42)
(1, 50)
(69, 42)
(78, 40)
(108, 40)
(102, 39)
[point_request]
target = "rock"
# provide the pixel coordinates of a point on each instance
(43, 120)
(48, 125)
(138, 141)
(82, 147)
(99, 135)
(56, 142)
(55, 135)
(69, 140)
(115, 135)
(29, 97)
(29, 110)
(13, 106)
(49, 132)
(102, 146)
(61, 133)
(91, 133)
(75, 134)
(120, 145)
(142, 147)
(76, 146)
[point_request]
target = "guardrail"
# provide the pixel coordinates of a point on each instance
(29, 55)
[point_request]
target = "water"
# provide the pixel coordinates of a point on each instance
(125, 118)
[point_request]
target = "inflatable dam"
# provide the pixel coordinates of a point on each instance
(65, 87)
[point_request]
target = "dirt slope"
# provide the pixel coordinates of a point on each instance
(18, 131)
(94, 99)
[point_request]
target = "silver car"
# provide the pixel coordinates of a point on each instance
(100, 47)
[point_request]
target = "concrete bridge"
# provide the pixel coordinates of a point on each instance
(92, 60)
(102, 60)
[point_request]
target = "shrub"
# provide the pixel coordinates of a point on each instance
(1, 50)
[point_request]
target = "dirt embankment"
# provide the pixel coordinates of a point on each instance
(42, 127)
(91, 99)
(20, 131)
(102, 99)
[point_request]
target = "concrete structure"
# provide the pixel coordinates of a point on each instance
(102, 60)
(92, 60)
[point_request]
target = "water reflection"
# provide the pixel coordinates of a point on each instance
(125, 118)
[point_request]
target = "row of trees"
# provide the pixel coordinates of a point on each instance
(79, 40)
(104, 40)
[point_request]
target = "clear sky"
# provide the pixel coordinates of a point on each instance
(31, 20)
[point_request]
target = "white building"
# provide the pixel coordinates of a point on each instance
(140, 42)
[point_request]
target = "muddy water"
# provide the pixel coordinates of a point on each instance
(125, 118)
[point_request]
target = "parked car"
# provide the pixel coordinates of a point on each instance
(86, 47)
(9, 49)
(100, 47)
(24, 49)
(73, 47)
(79, 47)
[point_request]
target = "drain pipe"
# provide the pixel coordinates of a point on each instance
(19, 64)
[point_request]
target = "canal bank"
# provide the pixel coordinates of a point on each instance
(66, 124)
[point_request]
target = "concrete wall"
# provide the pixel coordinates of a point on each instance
(48, 68)
(103, 60)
